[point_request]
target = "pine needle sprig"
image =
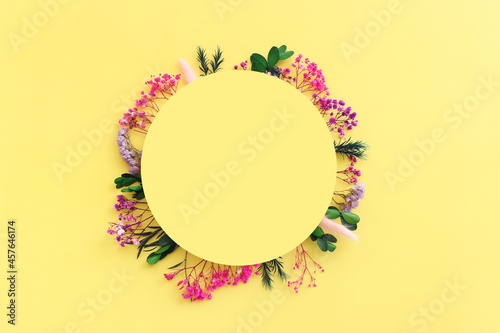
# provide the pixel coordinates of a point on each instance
(268, 269)
(218, 60)
(355, 148)
(202, 59)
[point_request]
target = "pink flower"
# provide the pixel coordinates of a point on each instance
(188, 72)
(169, 276)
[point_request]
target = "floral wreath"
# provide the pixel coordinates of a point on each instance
(137, 226)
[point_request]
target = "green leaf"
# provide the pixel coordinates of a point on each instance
(123, 181)
(153, 258)
(165, 240)
(329, 238)
(128, 175)
(282, 49)
(126, 190)
(136, 188)
(313, 238)
(163, 249)
(170, 250)
(176, 265)
(286, 55)
(318, 232)
(140, 195)
(349, 226)
(258, 67)
(331, 247)
(258, 59)
(332, 213)
(350, 218)
(322, 244)
(273, 56)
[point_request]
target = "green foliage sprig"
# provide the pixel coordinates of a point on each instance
(325, 241)
(268, 269)
(162, 246)
(127, 179)
(355, 148)
(260, 64)
(209, 66)
(202, 59)
(349, 220)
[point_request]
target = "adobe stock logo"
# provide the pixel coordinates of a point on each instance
(223, 6)
(74, 156)
(263, 310)
(94, 137)
(31, 25)
(373, 28)
(89, 309)
(426, 147)
(421, 320)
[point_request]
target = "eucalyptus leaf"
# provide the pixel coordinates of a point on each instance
(332, 213)
(286, 55)
(349, 226)
(350, 218)
(318, 232)
(329, 238)
(258, 67)
(136, 188)
(331, 247)
(122, 181)
(322, 244)
(273, 56)
(258, 59)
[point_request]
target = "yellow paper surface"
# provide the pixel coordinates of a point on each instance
(423, 77)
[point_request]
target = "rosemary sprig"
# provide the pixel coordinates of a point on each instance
(354, 148)
(268, 269)
(218, 60)
(202, 59)
(204, 62)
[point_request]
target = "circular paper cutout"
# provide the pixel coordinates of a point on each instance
(238, 167)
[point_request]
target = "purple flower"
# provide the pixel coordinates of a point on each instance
(352, 199)
(128, 152)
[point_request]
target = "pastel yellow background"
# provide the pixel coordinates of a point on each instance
(424, 81)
